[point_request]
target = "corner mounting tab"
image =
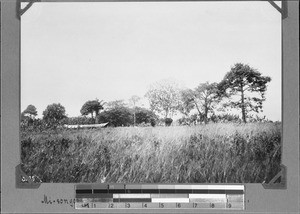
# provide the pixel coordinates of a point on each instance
(279, 181)
(21, 11)
(282, 10)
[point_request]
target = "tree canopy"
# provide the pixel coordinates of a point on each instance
(117, 116)
(30, 111)
(91, 107)
(164, 97)
(54, 113)
(205, 95)
(248, 85)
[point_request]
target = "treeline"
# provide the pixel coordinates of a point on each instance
(242, 88)
(116, 113)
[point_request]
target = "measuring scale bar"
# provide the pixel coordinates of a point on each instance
(161, 196)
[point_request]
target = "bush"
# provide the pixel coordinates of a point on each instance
(168, 121)
(118, 116)
(225, 118)
(145, 116)
(79, 120)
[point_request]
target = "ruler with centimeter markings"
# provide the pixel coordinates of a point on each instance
(168, 196)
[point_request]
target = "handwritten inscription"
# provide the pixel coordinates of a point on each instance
(60, 201)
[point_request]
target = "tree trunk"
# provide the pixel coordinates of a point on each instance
(92, 115)
(198, 110)
(205, 114)
(243, 107)
(167, 112)
(96, 118)
(134, 119)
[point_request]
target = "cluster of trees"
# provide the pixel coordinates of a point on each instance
(116, 113)
(242, 88)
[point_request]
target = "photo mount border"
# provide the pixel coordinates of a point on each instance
(276, 200)
(272, 184)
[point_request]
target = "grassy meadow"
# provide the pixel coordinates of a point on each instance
(213, 153)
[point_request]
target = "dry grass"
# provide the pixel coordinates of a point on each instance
(226, 153)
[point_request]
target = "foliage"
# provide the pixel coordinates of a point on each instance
(168, 121)
(30, 111)
(206, 95)
(248, 85)
(81, 120)
(54, 114)
(145, 116)
(186, 101)
(164, 97)
(117, 116)
(91, 107)
(28, 115)
(215, 153)
(36, 125)
(203, 98)
(225, 118)
(115, 104)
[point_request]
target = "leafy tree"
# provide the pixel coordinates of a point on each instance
(145, 116)
(118, 116)
(247, 85)
(134, 99)
(30, 111)
(54, 114)
(91, 107)
(206, 95)
(164, 97)
(186, 101)
(28, 115)
(202, 98)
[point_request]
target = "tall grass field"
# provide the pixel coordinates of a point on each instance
(213, 153)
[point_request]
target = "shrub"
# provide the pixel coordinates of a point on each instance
(168, 121)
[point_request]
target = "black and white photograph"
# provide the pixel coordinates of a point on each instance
(151, 92)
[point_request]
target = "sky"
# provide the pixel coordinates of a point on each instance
(75, 52)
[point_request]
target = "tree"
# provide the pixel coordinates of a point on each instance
(118, 116)
(206, 94)
(30, 111)
(145, 116)
(134, 99)
(187, 101)
(164, 97)
(28, 115)
(91, 107)
(202, 98)
(54, 113)
(247, 85)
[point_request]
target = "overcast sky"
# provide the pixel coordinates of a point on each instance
(75, 52)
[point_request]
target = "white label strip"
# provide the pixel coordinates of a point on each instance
(170, 200)
(130, 195)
